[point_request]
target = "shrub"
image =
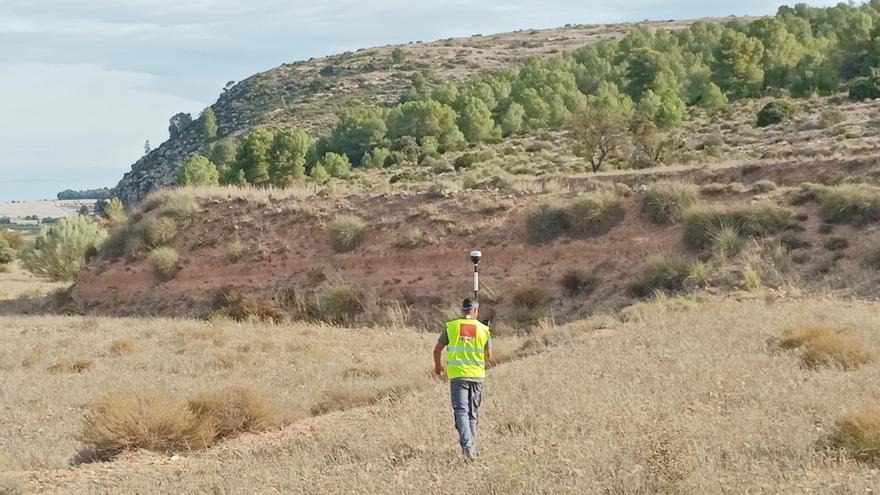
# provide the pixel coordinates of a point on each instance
(661, 274)
(758, 220)
(865, 88)
(114, 211)
(235, 249)
(123, 346)
(60, 252)
(530, 298)
(848, 204)
(165, 262)
(72, 366)
(546, 222)
(468, 160)
(198, 171)
(411, 238)
(235, 410)
(7, 254)
(347, 232)
(774, 113)
(764, 186)
(338, 304)
(725, 241)
(578, 282)
(666, 201)
(872, 260)
(159, 231)
(14, 240)
(137, 419)
(181, 208)
(595, 211)
(836, 244)
(859, 432)
(232, 303)
(824, 345)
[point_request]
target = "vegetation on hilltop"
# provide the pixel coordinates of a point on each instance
(640, 85)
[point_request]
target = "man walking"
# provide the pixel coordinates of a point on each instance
(468, 349)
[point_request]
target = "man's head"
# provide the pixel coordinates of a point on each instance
(470, 308)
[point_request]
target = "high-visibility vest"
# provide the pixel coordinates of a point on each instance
(464, 353)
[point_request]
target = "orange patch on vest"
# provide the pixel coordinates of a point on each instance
(467, 331)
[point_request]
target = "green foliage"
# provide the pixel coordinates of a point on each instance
(470, 159)
(712, 98)
(252, 156)
(848, 204)
(335, 165)
(512, 120)
(865, 88)
(359, 130)
(600, 129)
(475, 121)
(114, 210)
(376, 158)
(666, 201)
(7, 254)
(738, 65)
(774, 113)
(222, 153)
(165, 262)
(60, 251)
(758, 220)
(319, 174)
(198, 171)
(661, 274)
(398, 56)
(425, 118)
(287, 157)
(209, 124)
(347, 232)
(590, 213)
(178, 123)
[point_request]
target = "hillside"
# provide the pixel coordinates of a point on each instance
(309, 94)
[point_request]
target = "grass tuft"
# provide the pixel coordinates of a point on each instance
(165, 262)
(661, 274)
(666, 201)
(530, 297)
(758, 220)
(859, 432)
(824, 345)
(591, 213)
(71, 366)
(578, 282)
(234, 410)
(347, 232)
(123, 346)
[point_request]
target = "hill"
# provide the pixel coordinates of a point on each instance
(309, 94)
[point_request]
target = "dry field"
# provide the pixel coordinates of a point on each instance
(676, 396)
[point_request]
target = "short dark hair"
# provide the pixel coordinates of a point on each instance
(469, 305)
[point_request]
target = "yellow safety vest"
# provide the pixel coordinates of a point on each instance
(464, 353)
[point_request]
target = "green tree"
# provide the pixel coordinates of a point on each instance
(178, 123)
(398, 56)
(222, 152)
(198, 171)
(475, 121)
(600, 129)
(319, 174)
(446, 93)
(376, 158)
(59, 252)
(252, 157)
(335, 165)
(425, 118)
(713, 98)
(738, 64)
(513, 119)
(358, 131)
(209, 124)
(287, 157)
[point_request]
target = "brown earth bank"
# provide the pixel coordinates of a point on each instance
(287, 248)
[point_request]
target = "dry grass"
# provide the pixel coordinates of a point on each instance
(825, 345)
(122, 347)
(858, 432)
(234, 410)
(347, 232)
(687, 399)
(165, 262)
(666, 201)
(72, 366)
(143, 419)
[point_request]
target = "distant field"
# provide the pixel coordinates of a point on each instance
(43, 209)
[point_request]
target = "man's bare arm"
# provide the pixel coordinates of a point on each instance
(438, 352)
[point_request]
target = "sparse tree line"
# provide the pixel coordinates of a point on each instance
(636, 88)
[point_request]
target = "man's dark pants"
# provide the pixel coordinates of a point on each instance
(466, 396)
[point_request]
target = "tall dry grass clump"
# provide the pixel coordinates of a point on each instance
(661, 274)
(165, 262)
(751, 220)
(825, 345)
(848, 204)
(590, 213)
(139, 419)
(859, 432)
(234, 410)
(347, 232)
(665, 201)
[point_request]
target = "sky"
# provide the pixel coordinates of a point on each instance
(85, 83)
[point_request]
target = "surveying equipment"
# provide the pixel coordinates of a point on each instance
(475, 259)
